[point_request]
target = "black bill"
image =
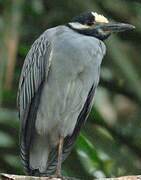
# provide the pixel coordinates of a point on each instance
(116, 27)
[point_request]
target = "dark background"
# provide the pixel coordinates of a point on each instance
(110, 143)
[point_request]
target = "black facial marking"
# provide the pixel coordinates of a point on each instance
(85, 18)
(89, 19)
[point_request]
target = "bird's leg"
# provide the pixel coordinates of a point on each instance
(60, 151)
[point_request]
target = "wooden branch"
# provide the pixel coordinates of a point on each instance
(137, 177)
(20, 177)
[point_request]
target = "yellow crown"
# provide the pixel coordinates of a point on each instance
(100, 18)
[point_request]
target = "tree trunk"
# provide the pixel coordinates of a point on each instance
(13, 20)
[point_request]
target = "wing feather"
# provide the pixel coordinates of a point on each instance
(30, 86)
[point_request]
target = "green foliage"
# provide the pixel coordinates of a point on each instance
(110, 142)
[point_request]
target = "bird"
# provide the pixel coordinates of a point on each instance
(56, 90)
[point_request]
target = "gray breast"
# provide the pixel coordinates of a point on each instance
(75, 61)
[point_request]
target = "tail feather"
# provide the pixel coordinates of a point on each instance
(24, 157)
(39, 151)
(27, 132)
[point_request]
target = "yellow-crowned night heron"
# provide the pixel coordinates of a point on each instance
(57, 85)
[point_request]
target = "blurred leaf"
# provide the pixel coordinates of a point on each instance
(88, 155)
(13, 160)
(6, 140)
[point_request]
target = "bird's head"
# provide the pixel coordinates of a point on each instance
(97, 25)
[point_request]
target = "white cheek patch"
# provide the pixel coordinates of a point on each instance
(77, 25)
(100, 18)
